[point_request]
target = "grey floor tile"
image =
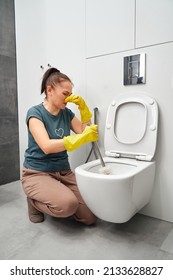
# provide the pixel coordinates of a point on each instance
(168, 243)
(142, 237)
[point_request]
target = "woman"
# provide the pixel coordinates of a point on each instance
(48, 182)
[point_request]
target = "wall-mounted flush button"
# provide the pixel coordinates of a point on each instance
(134, 69)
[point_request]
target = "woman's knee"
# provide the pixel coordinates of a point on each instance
(70, 206)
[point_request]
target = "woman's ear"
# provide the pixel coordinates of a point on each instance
(49, 90)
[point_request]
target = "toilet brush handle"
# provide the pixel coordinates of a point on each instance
(95, 144)
(99, 153)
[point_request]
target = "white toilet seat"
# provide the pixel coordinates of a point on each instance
(131, 127)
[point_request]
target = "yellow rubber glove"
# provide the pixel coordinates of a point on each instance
(83, 108)
(90, 134)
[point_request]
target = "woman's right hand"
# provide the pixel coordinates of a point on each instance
(74, 141)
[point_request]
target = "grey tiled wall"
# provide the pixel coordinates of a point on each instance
(9, 137)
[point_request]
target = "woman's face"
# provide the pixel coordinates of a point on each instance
(58, 94)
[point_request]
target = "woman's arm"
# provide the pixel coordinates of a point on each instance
(77, 126)
(42, 139)
(49, 146)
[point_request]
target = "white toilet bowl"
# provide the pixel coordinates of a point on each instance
(128, 188)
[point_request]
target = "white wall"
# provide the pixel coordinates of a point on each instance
(153, 22)
(48, 32)
(153, 35)
(106, 22)
(54, 32)
(65, 42)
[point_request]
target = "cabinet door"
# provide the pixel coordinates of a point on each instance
(109, 26)
(31, 49)
(31, 54)
(154, 22)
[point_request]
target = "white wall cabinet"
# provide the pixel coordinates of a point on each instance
(109, 26)
(154, 22)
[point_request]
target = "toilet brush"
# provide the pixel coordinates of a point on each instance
(104, 169)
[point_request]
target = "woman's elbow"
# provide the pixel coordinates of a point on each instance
(48, 148)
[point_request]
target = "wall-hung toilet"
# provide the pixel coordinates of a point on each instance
(130, 143)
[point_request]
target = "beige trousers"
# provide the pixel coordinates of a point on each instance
(57, 194)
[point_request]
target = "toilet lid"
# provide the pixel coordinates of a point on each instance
(131, 127)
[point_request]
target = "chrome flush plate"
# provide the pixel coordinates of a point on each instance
(134, 69)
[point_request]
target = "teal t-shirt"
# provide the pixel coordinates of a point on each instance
(57, 127)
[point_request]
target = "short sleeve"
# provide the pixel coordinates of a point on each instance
(33, 112)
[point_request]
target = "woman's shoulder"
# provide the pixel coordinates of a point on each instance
(35, 109)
